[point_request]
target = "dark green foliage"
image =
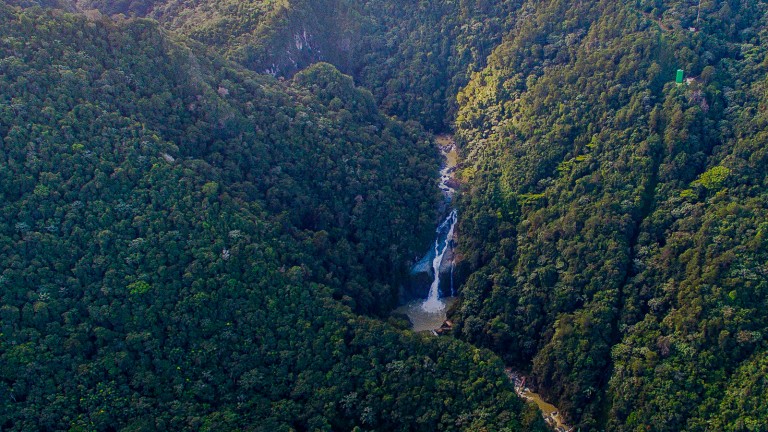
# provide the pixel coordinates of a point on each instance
(189, 245)
(612, 217)
(186, 245)
(413, 55)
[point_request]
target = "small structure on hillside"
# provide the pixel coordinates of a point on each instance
(680, 76)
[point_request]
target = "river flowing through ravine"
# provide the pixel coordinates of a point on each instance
(551, 414)
(429, 315)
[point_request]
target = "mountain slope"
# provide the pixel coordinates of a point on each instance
(610, 212)
(413, 56)
(166, 206)
(186, 245)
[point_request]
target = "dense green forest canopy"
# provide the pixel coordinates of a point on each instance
(188, 238)
(189, 245)
(615, 220)
(413, 55)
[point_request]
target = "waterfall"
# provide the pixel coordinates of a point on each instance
(430, 314)
(442, 243)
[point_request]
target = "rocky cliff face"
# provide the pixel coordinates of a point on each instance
(297, 37)
(277, 38)
(413, 56)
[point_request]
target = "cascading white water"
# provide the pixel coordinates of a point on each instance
(433, 304)
(429, 314)
(453, 293)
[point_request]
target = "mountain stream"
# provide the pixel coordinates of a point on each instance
(429, 314)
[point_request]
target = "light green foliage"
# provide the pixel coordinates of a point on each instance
(713, 178)
(41, 191)
(139, 287)
(210, 189)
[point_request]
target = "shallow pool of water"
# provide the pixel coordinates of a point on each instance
(423, 320)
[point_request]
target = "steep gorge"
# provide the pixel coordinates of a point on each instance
(414, 56)
(612, 220)
(189, 245)
(586, 163)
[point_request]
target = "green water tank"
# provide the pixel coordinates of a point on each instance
(680, 75)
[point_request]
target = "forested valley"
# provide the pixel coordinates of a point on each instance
(210, 207)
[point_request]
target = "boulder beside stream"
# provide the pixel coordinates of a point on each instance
(452, 183)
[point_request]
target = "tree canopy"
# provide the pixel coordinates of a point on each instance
(189, 245)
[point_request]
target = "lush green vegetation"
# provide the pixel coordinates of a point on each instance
(189, 245)
(614, 218)
(413, 55)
